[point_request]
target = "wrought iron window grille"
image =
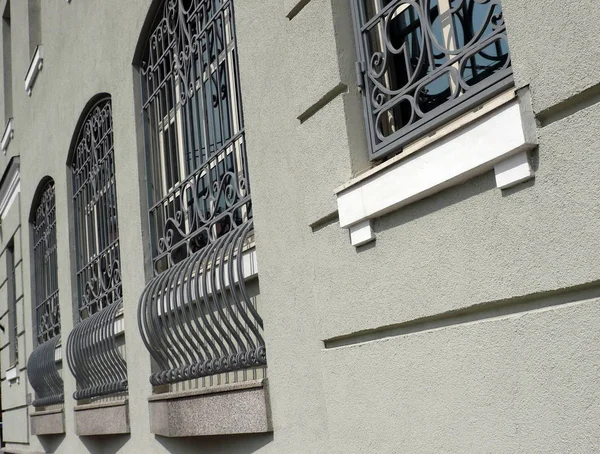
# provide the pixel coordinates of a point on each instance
(92, 348)
(424, 62)
(41, 367)
(199, 195)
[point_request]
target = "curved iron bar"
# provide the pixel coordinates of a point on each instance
(197, 318)
(43, 374)
(93, 356)
(424, 64)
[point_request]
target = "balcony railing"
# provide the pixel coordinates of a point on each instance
(44, 375)
(198, 318)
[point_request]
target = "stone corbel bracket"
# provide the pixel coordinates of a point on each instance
(37, 62)
(500, 140)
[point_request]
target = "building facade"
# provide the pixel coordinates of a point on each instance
(299, 226)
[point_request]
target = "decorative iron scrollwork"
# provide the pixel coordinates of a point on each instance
(194, 125)
(198, 319)
(427, 60)
(193, 323)
(41, 366)
(45, 266)
(44, 375)
(92, 351)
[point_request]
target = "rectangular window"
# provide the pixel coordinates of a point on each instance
(424, 62)
(7, 62)
(13, 348)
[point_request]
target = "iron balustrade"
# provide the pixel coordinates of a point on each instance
(44, 375)
(41, 367)
(198, 319)
(423, 62)
(92, 348)
(199, 193)
(93, 355)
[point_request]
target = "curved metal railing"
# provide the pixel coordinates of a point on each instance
(93, 355)
(44, 375)
(198, 319)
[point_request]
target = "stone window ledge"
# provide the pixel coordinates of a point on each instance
(35, 66)
(497, 135)
(7, 135)
(103, 418)
(238, 408)
(48, 422)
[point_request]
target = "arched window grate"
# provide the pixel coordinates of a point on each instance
(95, 208)
(46, 280)
(93, 350)
(192, 109)
(41, 366)
(196, 316)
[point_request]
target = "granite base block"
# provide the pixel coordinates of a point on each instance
(107, 418)
(240, 408)
(50, 422)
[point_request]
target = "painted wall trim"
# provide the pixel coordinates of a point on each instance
(35, 66)
(7, 136)
(10, 188)
(473, 150)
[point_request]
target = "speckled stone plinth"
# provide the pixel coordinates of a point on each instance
(239, 408)
(107, 418)
(50, 422)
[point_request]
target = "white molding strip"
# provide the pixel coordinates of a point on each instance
(503, 134)
(9, 133)
(37, 62)
(10, 188)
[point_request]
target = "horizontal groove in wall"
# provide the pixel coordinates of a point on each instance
(481, 312)
(325, 221)
(325, 99)
(296, 9)
(568, 107)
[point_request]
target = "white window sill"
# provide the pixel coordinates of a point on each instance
(35, 67)
(500, 140)
(9, 133)
(12, 375)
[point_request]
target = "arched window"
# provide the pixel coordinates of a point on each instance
(41, 366)
(92, 348)
(47, 309)
(192, 108)
(199, 197)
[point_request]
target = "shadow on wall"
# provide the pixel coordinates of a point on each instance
(438, 202)
(234, 444)
(108, 444)
(51, 443)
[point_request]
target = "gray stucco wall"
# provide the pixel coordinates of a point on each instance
(468, 326)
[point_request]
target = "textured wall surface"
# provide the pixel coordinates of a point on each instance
(468, 326)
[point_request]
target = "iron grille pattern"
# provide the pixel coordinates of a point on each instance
(200, 210)
(41, 366)
(43, 374)
(92, 348)
(194, 129)
(45, 263)
(423, 62)
(95, 207)
(197, 318)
